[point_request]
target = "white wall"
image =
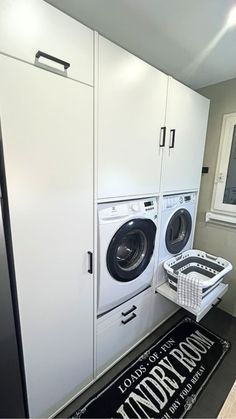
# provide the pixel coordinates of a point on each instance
(213, 238)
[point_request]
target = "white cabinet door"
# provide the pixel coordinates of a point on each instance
(47, 134)
(131, 112)
(186, 121)
(27, 26)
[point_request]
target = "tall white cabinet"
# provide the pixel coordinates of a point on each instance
(131, 113)
(47, 135)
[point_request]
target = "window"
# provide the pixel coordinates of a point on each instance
(224, 195)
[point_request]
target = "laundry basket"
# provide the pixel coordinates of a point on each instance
(198, 264)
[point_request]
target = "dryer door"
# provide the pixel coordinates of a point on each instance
(178, 231)
(131, 249)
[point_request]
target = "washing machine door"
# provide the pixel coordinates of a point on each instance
(131, 249)
(178, 231)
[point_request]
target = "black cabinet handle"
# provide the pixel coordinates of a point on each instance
(129, 311)
(90, 269)
(172, 140)
(218, 302)
(50, 57)
(129, 319)
(163, 137)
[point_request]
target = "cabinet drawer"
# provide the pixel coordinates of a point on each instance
(118, 337)
(28, 26)
(119, 331)
(116, 314)
(211, 300)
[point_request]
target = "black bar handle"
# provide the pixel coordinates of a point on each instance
(50, 57)
(163, 137)
(129, 319)
(90, 269)
(129, 311)
(218, 302)
(172, 141)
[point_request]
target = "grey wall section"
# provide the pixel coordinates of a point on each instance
(210, 237)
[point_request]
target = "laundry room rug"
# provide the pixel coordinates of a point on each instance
(165, 381)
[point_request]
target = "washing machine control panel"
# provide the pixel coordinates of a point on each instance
(144, 207)
(118, 210)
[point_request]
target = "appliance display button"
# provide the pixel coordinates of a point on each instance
(135, 207)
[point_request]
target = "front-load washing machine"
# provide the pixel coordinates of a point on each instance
(126, 240)
(177, 227)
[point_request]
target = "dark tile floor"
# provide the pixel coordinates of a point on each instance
(212, 398)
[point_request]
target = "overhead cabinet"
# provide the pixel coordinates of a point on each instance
(151, 128)
(131, 112)
(186, 124)
(47, 138)
(29, 29)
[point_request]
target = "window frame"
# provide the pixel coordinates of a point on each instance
(226, 139)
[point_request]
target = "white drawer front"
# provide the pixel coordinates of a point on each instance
(27, 26)
(115, 339)
(143, 313)
(117, 313)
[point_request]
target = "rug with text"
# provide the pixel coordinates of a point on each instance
(165, 381)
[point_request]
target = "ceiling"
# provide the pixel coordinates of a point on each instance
(187, 39)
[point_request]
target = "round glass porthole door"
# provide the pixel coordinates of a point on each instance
(178, 231)
(131, 249)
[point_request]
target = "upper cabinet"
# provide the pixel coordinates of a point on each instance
(150, 127)
(29, 26)
(186, 122)
(131, 113)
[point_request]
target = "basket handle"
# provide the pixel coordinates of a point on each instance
(211, 256)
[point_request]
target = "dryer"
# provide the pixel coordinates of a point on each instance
(177, 228)
(126, 240)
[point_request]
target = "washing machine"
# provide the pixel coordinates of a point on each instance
(126, 241)
(177, 228)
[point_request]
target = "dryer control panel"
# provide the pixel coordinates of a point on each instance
(172, 201)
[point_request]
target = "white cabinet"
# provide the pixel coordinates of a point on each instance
(186, 122)
(135, 110)
(29, 26)
(131, 112)
(47, 135)
(119, 330)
